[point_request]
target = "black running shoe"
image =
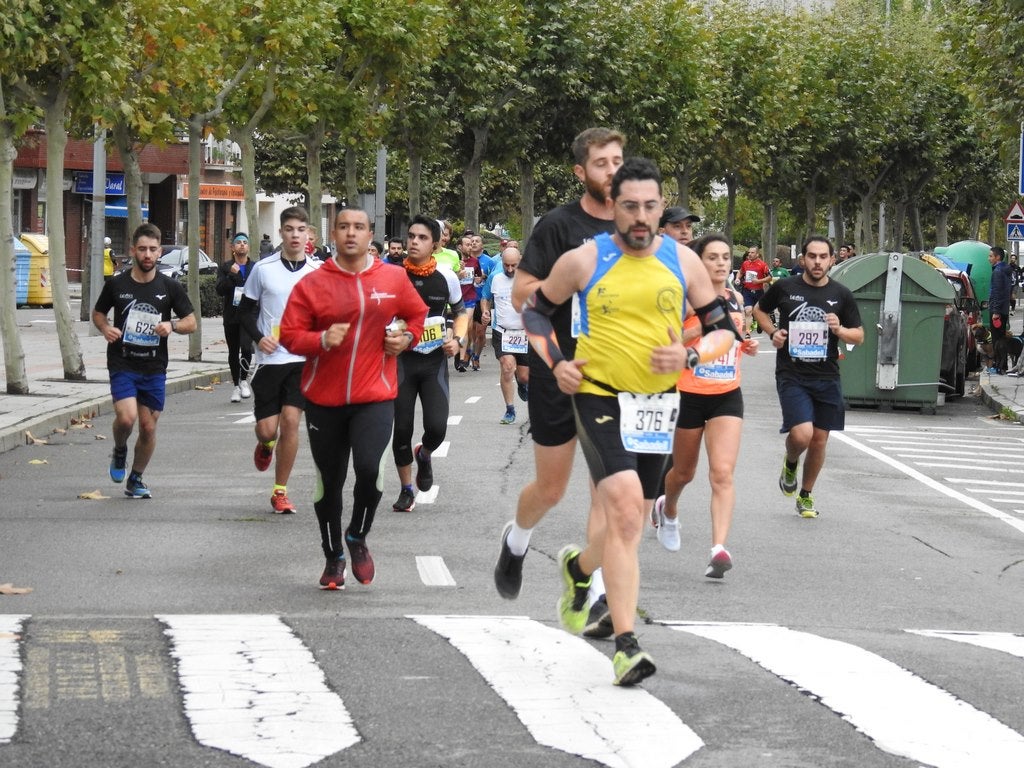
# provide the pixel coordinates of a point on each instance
(424, 470)
(508, 571)
(599, 620)
(406, 502)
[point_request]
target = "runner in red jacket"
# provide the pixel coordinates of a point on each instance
(351, 322)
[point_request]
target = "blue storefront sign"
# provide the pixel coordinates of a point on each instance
(83, 183)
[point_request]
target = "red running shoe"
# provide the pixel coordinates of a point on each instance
(333, 576)
(262, 457)
(281, 504)
(362, 563)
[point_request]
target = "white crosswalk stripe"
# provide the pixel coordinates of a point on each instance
(560, 688)
(900, 712)
(957, 461)
(251, 687)
(10, 670)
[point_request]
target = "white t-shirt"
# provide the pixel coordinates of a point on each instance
(504, 313)
(270, 284)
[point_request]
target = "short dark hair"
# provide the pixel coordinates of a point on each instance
(355, 208)
(817, 239)
(294, 212)
(378, 245)
(635, 169)
(146, 229)
(398, 240)
(704, 241)
(428, 222)
(999, 251)
(594, 137)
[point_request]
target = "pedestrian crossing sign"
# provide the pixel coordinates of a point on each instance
(1015, 232)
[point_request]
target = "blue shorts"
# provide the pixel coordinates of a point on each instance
(751, 296)
(819, 401)
(147, 388)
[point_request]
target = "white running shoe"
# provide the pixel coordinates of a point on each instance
(668, 528)
(236, 395)
(245, 389)
(720, 562)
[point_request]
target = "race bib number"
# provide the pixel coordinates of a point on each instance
(647, 423)
(140, 328)
(576, 322)
(750, 276)
(721, 369)
(808, 341)
(514, 342)
(237, 298)
(432, 337)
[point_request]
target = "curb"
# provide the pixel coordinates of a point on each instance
(1001, 406)
(91, 409)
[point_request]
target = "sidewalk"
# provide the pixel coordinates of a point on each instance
(52, 402)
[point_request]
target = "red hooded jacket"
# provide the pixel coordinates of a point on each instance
(358, 371)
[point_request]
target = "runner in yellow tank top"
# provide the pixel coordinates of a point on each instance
(632, 288)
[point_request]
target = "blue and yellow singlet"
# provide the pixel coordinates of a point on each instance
(626, 310)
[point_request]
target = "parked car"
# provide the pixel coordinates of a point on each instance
(959, 351)
(174, 261)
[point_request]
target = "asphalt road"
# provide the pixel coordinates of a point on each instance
(803, 655)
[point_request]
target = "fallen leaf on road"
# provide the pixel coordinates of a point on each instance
(38, 461)
(81, 425)
(204, 389)
(59, 431)
(215, 380)
(10, 589)
(100, 437)
(31, 439)
(83, 420)
(93, 495)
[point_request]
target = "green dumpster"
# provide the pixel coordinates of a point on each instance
(902, 303)
(975, 253)
(40, 292)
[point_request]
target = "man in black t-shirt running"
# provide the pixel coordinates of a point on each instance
(142, 299)
(598, 155)
(816, 314)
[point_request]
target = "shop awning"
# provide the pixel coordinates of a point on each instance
(117, 208)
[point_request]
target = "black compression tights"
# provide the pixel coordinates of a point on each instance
(426, 377)
(334, 433)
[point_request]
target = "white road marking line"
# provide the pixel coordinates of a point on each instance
(996, 641)
(976, 481)
(10, 670)
(934, 484)
(978, 468)
(867, 428)
(560, 688)
(454, 421)
(427, 497)
(249, 419)
(473, 399)
(955, 459)
(253, 689)
(441, 452)
(433, 571)
(1003, 491)
(901, 713)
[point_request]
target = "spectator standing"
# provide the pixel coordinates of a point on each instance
(266, 247)
(231, 276)
(998, 307)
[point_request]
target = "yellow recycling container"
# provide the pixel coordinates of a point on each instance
(40, 292)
